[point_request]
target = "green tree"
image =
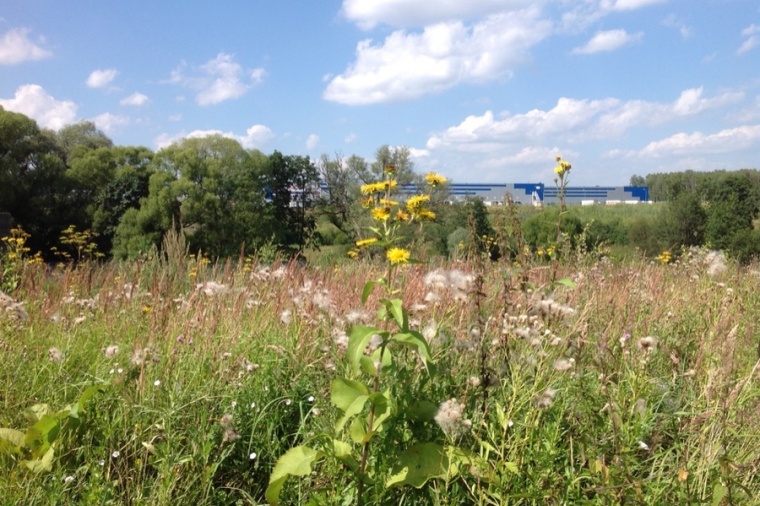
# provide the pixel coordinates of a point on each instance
(731, 210)
(292, 184)
(209, 188)
(685, 220)
(339, 199)
(33, 184)
(81, 137)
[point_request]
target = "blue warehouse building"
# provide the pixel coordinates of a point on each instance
(540, 194)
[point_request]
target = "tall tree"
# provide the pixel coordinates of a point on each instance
(293, 185)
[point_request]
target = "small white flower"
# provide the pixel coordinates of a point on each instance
(111, 371)
(287, 402)
(253, 405)
(157, 383)
(643, 445)
(311, 398)
(68, 479)
(252, 456)
(510, 423)
(233, 404)
(120, 370)
(102, 463)
(116, 454)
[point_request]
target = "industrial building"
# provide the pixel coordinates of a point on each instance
(540, 194)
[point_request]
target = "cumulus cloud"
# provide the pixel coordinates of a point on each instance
(312, 142)
(369, 13)
(108, 122)
(627, 5)
(724, 141)
(16, 47)
(408, 65)
(255, 136)
(218, 80)
(573, 120)
(606, 41)
(32, 100)
(101, 78)
(136, 99)
(751, 36)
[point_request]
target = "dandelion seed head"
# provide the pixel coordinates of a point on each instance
(55, 355)
(111, 351)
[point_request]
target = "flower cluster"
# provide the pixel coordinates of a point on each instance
(563, 167)
(392, 214)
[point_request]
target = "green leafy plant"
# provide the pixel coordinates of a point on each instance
(36, 447)
(388, 365)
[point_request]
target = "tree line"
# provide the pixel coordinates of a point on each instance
(223, 198)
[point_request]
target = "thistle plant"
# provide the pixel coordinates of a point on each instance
(383, 386)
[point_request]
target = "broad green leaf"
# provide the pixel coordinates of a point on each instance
(34, 413)
(512, 468)
(297, 461)
(342, 452)
(358, 430)
(395, 308)
(343, 392)
(416, 340)
(43, 464)
(418, 464)
(354, 409)
(566, 282)
(84, 399)
(382, 404)
(719, 492)
(369, 286)
(423, 410)
(11, 440)
(358, 339)
(40, 436)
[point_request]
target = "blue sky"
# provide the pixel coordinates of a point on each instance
(478, 90)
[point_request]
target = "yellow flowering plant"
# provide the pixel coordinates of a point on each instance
(383, 387)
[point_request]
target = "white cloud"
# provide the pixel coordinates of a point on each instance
(572, 120)
(255, 136)
(32, 100)
(724, 141)
(350, 138)
(136, 99)
(609, 40)
(752, 34)
(406, 13)
(16, 47)
(108, 122)
(312, 142)
(101, 78)
(627, 5)
(408, 65)
(218, 80)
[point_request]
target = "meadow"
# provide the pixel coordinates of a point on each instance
(176, 380)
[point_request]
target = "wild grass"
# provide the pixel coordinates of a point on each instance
(639, 385)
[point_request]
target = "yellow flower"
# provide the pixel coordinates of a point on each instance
(397, 256)
(353, 253)
(434, 179)
(368, 202)
(402, 215)
(381, 213)
(366, 242)
(369, 189)
(388, 202)
(426, 214)
(389, 184)
(562, 167)
(665, 257)
(415, 203)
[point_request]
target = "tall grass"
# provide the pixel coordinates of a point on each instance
(637, 386)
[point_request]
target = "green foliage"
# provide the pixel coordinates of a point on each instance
(685, 221)
(35, 448)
